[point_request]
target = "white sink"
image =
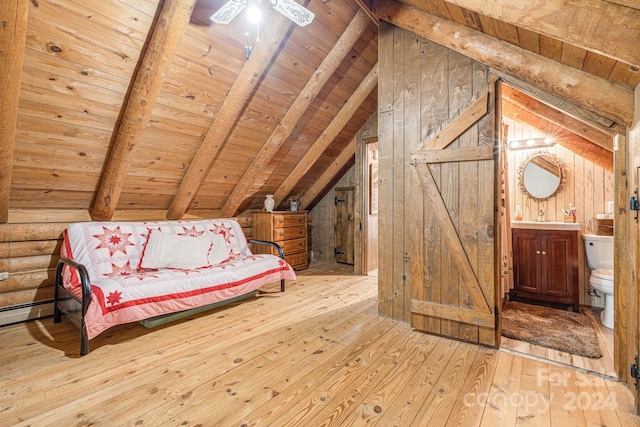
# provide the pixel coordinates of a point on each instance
(547, 225)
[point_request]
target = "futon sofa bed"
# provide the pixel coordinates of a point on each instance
(112, 273)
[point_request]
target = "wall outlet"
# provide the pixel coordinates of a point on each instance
(4, 275)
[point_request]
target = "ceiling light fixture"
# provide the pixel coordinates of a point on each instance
(289, 8)
(525, 144)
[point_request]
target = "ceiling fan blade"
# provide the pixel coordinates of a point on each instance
(227, 12)
(292, 10)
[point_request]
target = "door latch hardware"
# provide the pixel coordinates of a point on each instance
(336, 200)
(634, 204)
(635, 372)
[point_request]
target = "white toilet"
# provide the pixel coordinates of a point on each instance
(599, 250)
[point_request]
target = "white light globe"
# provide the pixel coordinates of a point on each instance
(253, 14)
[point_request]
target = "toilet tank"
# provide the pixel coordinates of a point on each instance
(599, 251)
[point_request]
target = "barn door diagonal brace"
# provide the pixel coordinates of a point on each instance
(469, 278)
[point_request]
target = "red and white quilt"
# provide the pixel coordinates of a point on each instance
(122, 292)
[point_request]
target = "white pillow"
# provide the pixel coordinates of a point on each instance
(165, 250)
(219, 251)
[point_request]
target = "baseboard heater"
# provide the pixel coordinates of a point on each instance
(22, 312)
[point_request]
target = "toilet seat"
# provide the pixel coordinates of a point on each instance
(602, 273)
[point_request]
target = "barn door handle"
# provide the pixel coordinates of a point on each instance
(336, 200)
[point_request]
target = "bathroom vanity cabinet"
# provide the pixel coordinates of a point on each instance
(545, 265)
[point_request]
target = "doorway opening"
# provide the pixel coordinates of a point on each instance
(370, 226)
(590, 187)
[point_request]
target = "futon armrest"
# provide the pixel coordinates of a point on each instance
(265, 242)
(86, 297)
(84, 279)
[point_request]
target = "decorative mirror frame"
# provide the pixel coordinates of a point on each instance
(561, 184)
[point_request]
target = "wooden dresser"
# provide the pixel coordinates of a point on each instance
(288, 229)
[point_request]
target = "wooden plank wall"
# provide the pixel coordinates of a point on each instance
(324, 215)
(368, 132)
(589, 187)
(30, 246)
(324, 211)
(627, 317)
(422, 85)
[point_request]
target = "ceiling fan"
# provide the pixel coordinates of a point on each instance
(289, 8)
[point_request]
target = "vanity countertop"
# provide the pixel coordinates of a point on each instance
(547, 225)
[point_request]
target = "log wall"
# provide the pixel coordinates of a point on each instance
(589, 187)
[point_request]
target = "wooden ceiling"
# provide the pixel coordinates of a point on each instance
(81, 70)
(140, 104)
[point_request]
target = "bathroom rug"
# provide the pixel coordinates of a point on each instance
(552, 328)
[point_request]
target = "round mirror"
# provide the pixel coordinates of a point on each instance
(541, 176)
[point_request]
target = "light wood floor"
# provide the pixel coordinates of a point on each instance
(316, 355)
(602, 366)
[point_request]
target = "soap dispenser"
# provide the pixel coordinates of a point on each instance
(518, 213)
(541, 216)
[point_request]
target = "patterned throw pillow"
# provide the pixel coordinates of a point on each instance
(219, 251)
(165, 250)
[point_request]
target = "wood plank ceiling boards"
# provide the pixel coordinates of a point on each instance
(170, 26)
(346, 112)
(270, 148)
(13, 15)
(227, 115)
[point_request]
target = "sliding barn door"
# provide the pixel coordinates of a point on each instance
(438, 230)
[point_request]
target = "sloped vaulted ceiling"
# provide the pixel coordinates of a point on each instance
(85, 61)
(93, 132)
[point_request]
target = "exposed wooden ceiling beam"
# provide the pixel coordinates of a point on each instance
(590, 25)
(365, 6)
(612, 101)
(548, 113)
(635, 4)
(280, 134)
(320, 186)
(13, 35)
(597, 121)
(369, 83)
(167, 32)
(227, 115)
(583, 147)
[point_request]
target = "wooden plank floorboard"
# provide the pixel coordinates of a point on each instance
(179, 378)
(370, 409)
(294, 398)
(317, 354)
(476, 384)
(248, 386)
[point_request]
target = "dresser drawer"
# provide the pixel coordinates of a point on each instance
(288, 229)
(298, 261)
(288, 233)
(293, 246)
(288, 220)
